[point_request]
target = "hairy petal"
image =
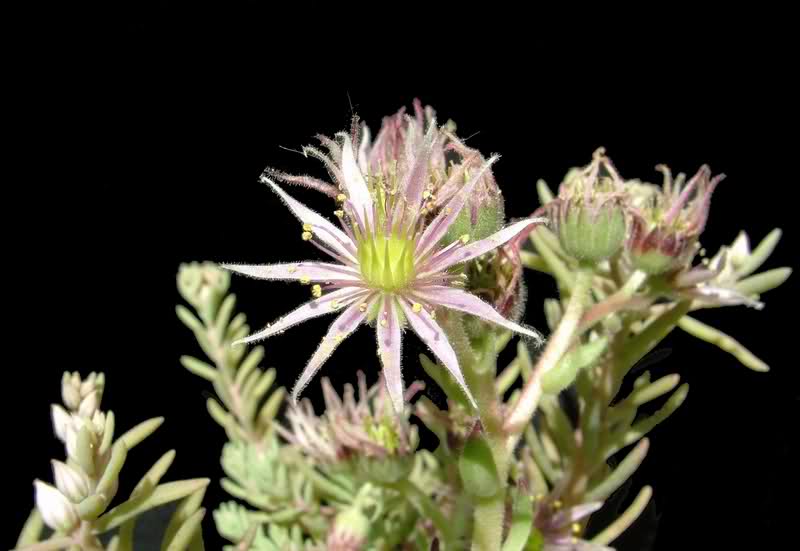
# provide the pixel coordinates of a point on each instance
(354, 182)
(321, 228)
(298, 271)
(326, 304)
(450, 257)
(457, 299)
(342, 328)
(434, 337)
(439, 226)
(390, 350)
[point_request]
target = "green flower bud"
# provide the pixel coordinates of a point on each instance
(589, 216)
(349, 531)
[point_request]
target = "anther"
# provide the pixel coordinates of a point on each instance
(316, 291)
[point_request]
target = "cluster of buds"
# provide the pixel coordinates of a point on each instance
(203, 285)
(589, 214)
(363, 431)
(87, 433)
(668, 221)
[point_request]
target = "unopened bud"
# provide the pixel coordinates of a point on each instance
(61, 421)
(56, 510)
(70, 482)
(349, 531)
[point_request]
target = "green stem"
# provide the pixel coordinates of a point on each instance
(428, 509)
(558, 344)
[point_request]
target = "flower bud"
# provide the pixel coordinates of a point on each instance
(349, 531)
(588, 215)
(668, 221)
(56, 510)
(202, 285)
(89, 404)
(61, 421)
(70, 482)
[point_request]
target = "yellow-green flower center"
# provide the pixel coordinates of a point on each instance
(386, 262)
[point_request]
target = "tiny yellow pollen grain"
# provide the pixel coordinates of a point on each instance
(316, 291)
(292, 269)
(307, 235)
(448, 210)
(341, 197)
(307, 227)
(339, 213)
(464, 238)
(557, 504)
(433, 314)
(362, 307)
(384, 323)
(426, 194)
(305, 280)
(416, 308)
(576, 528)
(334, 304)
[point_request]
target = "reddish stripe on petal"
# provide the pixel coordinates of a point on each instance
(340, 329)
(326, 304)
(354, 182)
(450, 257)
(390, 350)
(434, 337)
(439, 226)
(321, 228)
(298, 271)
(457, 299)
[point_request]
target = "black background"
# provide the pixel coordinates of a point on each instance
(142, 157)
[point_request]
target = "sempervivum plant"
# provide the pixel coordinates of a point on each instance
(394, 258)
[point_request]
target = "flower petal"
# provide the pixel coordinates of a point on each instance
(444, 260)
(439, 226)
(326, 304)
(457, 299)
(340, 329)
(354, 182)
(321, 228)
(390, 350)
(418, 174)
(298, 271)
(432, 335)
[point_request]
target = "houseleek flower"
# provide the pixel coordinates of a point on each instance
(392, 264)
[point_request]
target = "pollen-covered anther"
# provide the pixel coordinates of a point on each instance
(384, 323)
(416, 308)
(334, 305)
(307, 235)
(341, 197)
(464, 238)
(576, 528)
(305, 280)
(339, 213)
(362, 307)
(316, 291)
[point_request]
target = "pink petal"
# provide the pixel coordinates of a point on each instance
(340, 329)
(321, 228)
(445, 259)
(432, 335)
(457, 299)
(298, 271)
(416, 178)
(390, 350)
(326, 304)
(354, 182)
(439, 226)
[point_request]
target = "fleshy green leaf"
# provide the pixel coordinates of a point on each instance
(137, 434)
(165, 493)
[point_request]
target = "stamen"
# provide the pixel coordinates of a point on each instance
(316, 291)
(416, 308)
